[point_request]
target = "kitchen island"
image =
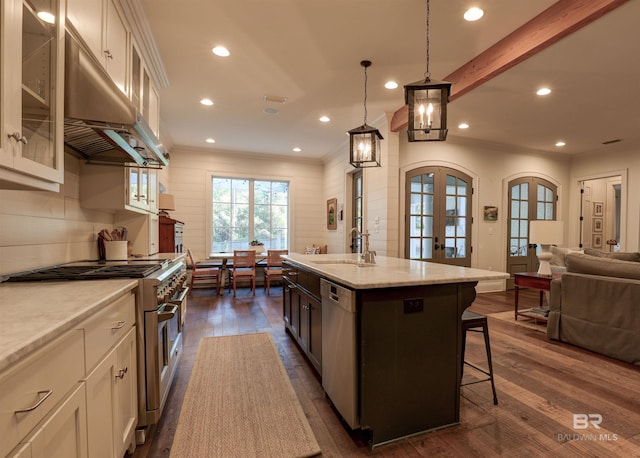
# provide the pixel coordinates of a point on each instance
(399, 374)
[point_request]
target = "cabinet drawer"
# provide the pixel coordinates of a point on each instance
(107, 327)
(310, 282)
(34, 386)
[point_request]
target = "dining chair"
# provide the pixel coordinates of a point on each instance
(244, 266)
(201, 272)
(273, 271)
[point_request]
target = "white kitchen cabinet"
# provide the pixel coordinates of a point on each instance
(136, 77)
(138, 188)
(151, 103)
(119, 188)
(34, 406)
(144, 93)
(86, 16)
(143, 188)
(111, 383)
(63, 434)
(153, 191)
(102, 27)
(126, 412)
(142, 230)
(116, 44)
(31, 90)
(112, 409)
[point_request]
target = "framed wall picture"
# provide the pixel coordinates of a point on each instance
(596, 241)
(597, 225)
(490, 213)
(598, 209)
(332, 214)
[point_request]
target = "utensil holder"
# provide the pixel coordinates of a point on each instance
(116, 250)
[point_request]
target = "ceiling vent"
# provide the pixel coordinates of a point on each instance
(275, 99)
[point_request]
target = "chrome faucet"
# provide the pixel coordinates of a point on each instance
(368, 257)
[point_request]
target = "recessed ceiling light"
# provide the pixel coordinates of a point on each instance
(473, 14)
(221, 51)
(297, 149)
(47, 17)
(271, 111)
(543, 91)
(207, 102)
(560, 143)
(463, 125)
(210, 140)
(391, 85)
(325, 119)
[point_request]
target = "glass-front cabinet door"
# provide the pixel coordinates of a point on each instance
(139, 188)
(32, 92)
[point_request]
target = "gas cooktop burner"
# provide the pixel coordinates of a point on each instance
(86, 272)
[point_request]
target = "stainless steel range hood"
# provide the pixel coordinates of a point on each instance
(101, 124)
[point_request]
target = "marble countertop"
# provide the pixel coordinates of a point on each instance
(388, 272)
(34, 314)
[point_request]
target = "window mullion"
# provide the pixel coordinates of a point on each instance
(251, 211)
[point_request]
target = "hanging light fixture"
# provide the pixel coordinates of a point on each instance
(427, 100)
(364, 149)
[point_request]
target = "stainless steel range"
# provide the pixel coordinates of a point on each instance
(161, 305)
(161, 311)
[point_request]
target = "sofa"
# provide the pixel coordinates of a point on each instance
(596, 304)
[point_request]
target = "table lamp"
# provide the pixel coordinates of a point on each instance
(545, 233)
(166, 203)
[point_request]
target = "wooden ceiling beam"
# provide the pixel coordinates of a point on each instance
(552, 25)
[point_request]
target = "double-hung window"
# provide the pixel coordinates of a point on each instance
(246, 209)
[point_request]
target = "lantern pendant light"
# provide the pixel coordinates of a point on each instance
(364, 141)
(427, 100)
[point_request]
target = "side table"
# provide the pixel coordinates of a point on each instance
(533, 280)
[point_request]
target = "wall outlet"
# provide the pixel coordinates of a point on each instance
(414, 305)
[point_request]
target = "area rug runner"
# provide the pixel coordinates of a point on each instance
(522, 320)
(240, 403)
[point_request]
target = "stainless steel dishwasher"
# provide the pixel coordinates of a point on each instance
(339, 371)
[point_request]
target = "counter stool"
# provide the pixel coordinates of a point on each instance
(471, 321)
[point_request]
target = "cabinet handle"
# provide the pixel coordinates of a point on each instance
(121, 372)
(17, 136)
(119, 325)
(46, 394)
(108, 54)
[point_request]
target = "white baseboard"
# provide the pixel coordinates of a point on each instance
(491, 286)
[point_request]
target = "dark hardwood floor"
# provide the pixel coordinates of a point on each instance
(541, 385)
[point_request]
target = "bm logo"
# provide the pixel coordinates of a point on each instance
(584, 420)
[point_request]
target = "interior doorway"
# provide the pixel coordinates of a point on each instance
(530, 199)
(600, 213)
(438, 215)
